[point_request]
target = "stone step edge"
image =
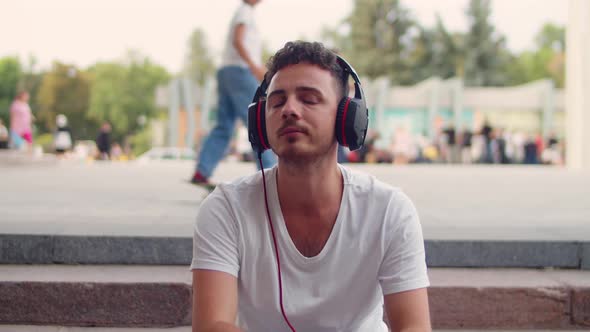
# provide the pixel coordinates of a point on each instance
(37, 328)
(169, 305)
(58, 249)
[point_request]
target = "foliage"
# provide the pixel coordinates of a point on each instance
(142, 141)
(10, 74)
(381, 33)
(122, 94)
(199, 64)
(45, 141)
(486, 54)
(65, 89)
(381, 38)
(547, 60)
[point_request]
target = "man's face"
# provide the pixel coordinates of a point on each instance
(301, 112)
(24, 97)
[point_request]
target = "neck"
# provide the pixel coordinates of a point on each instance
(313, 187)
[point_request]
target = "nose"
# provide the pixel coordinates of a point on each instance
(290, 109)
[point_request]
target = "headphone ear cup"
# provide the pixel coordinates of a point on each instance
(257, 126)
(340, 129)
(351, 123)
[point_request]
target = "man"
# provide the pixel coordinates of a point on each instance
(338, 247)
(21, 120)
(103, 142)
(4, 136)
(237, 80)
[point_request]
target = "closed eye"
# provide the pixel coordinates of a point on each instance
(276, 101)
(309, 98)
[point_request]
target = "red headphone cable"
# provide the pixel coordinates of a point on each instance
(274, 239)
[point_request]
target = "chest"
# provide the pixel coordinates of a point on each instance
(310, 234)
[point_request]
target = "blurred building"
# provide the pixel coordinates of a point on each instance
(435, 104)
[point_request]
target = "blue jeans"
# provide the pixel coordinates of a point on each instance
(235, 87)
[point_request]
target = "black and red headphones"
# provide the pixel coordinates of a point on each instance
(352, 117)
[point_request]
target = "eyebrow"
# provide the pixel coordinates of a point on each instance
(297, 89)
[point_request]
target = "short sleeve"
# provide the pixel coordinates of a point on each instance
(403, 266)
(215, 236)
(243, 16)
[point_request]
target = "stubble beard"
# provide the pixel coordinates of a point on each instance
(293, 157)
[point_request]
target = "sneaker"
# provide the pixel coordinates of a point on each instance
(199, 180)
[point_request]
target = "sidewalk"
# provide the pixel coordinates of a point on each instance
(454, 202)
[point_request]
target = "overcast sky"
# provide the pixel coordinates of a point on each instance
(83, 32)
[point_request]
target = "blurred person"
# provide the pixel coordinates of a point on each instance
(237, 80)
(62, 138)
(530, 151)
(21, 120)
(540, 144)
(452, 156)
(430, 153)
(116, 152)
(401, 146)
(251, 253)
(487, 133)
(553, 152)
(518, 141)
(499, 147)
(422, 144)
(342, 154)
(465, 141)
(552, 140)
(478, 148)
(4, 136)
(366, 151)
(103, 142)
(243, 148)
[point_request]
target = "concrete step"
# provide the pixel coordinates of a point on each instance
(145, 250)
(160, 296)
(36, 328)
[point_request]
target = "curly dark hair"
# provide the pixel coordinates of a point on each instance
(308, 52)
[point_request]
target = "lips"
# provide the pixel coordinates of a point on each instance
(290, 130)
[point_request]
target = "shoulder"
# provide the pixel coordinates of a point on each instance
(231, 205)
(243, 14)
(367, 184)
(379, 197)
(237, 193)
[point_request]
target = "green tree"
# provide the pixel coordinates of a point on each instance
(547, 60)
(64, 90)
(10, 75)
(123, 93)
(486, 55)
(199, 63)
(381, 34)
(551, 36)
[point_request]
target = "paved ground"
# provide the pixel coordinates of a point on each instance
(455, 202)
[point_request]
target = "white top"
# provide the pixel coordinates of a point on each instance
(375, 248)
(252, 42)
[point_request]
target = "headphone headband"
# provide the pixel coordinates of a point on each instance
(351, 115)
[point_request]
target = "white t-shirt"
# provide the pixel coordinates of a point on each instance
(244, 15)
(375, 248)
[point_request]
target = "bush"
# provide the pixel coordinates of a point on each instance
(45, 140)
